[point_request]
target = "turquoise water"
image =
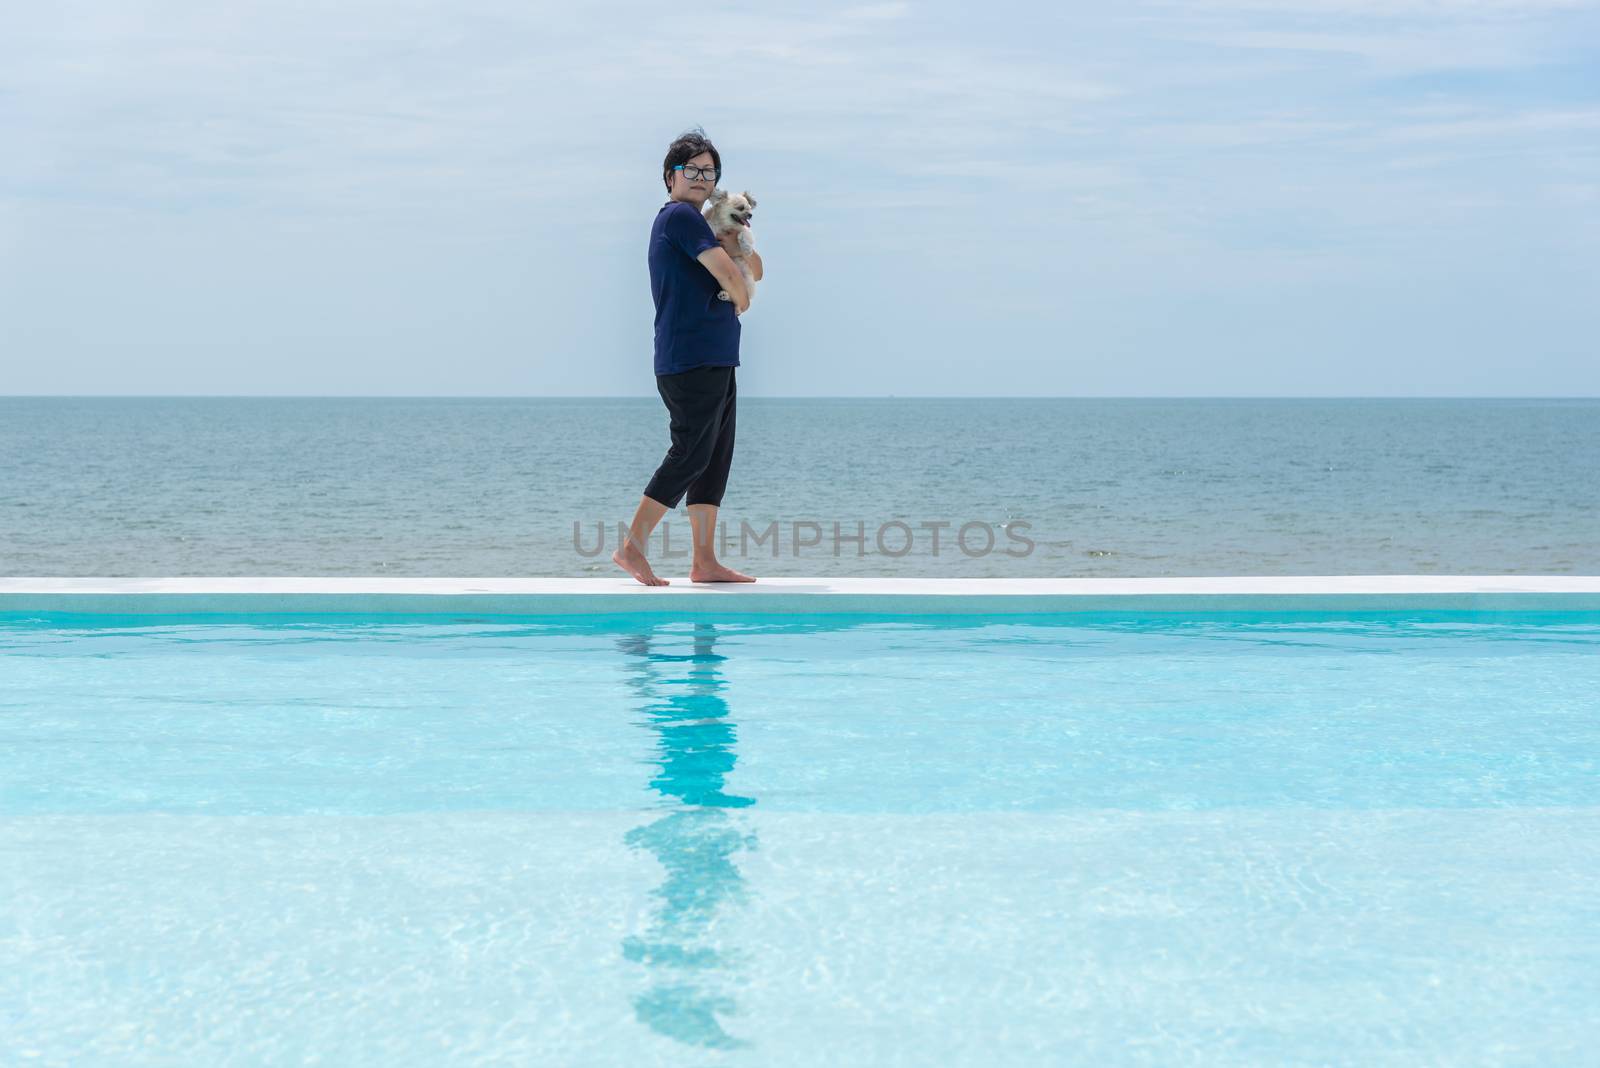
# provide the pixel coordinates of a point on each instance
(754, 841)
(464, 486)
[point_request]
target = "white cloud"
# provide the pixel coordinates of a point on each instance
(1494, 127)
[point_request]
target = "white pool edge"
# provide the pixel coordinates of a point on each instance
(797, 595)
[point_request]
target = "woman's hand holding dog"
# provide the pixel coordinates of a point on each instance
(730, 243)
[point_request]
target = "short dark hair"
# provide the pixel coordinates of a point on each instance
(689, 145)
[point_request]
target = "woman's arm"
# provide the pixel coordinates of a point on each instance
(720, 264)
(755, 264)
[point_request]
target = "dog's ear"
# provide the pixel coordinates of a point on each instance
(717, 196)
(747, 196)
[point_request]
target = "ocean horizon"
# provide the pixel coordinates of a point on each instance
(895, 485)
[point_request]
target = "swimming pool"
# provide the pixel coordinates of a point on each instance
(1297, 837)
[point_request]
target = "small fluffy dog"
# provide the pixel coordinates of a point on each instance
(728, 212)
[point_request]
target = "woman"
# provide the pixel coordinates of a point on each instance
(696, 351)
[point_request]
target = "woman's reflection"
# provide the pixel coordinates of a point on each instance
(696, 841)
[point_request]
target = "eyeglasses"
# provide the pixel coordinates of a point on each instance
(695, 174)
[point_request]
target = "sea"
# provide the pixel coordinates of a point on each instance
(932, 487)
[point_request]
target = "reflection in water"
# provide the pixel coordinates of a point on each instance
(696, 841)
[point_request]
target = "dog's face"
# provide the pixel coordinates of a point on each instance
(727, 210)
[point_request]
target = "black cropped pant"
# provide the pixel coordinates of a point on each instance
(701, 404)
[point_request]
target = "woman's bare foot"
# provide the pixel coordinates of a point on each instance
(631, 560)
(717, 573)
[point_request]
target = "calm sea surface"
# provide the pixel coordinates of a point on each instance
(483, 487)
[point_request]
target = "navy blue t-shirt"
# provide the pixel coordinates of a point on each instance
(693, 327)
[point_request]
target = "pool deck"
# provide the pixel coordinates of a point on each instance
(793, 596)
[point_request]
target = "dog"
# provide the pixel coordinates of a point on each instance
(728, 213)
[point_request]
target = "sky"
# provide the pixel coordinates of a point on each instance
(1241, 198)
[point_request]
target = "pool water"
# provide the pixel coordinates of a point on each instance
(1047, 839)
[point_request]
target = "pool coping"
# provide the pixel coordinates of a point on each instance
(798, 595)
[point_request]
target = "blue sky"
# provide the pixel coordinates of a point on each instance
(1306, 198)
